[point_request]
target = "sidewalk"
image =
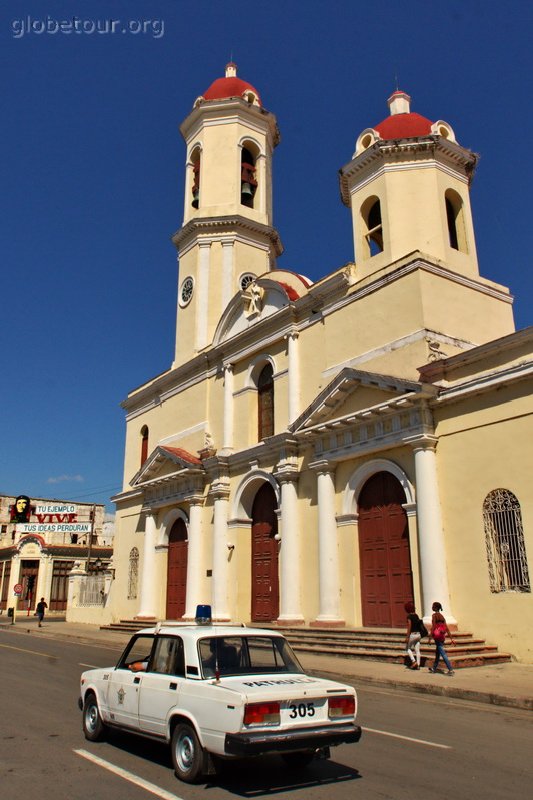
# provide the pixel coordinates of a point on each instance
(508, 685)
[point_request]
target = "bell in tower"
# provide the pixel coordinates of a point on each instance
(248, 181)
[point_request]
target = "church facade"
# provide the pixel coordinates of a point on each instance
(319, 453)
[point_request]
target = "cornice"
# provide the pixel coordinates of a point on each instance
(443, 369)
(219, 226)
(371, 430)
(443, 151)
(230, 109)
(480, 384)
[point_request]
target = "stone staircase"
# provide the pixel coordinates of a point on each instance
(373, 644)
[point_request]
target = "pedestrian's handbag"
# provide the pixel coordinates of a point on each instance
(439, 632)
(423, 630)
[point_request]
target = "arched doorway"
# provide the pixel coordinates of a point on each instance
(177, 570)
(265, 583)
(385, 556)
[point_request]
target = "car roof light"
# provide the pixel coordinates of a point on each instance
(203, 615)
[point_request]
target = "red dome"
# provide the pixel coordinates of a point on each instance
(230, 86)
(404, 126)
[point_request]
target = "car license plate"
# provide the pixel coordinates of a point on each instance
(305, 711)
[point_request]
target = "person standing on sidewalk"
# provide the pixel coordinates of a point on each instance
(415, 631)
(439, 631)
(40, 609)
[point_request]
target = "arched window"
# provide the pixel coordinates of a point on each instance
(371, 213)
(455, 220)
(144, 444)
(265, 402)
(133, 573)
(195, 158)
(504, 539)
(248, 176)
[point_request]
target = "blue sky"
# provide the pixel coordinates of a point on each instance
(92, 172)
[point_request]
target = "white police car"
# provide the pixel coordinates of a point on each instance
(220, 691)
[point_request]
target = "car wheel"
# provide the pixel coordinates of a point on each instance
(93, 727)
(298, 760)
(187, 753)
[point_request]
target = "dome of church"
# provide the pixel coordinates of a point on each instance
(232, 86)
(402, 122)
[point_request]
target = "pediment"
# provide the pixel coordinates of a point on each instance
(164, 462)
(357, 394)
(266, 296)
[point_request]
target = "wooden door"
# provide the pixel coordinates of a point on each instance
(59, 589)
(29, 575)
(265, 582)
(385, 557)
(177, 570)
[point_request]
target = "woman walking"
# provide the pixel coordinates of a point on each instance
(439, 631)
(415, 631)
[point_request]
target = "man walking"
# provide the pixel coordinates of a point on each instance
(40, 609)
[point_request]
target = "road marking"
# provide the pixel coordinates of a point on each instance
(409, 739)
(23, 650)
(91, 666)
(128, 776)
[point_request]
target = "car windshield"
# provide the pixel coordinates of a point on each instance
(246, 655)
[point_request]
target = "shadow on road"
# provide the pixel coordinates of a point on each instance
(253, 777)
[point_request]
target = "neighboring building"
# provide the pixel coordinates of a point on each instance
(319, 453)
(41, 540)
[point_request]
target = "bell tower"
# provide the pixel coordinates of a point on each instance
(408, 187)
(227, 237)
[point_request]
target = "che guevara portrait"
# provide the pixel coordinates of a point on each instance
(20, 511)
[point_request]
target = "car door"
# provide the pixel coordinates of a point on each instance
(126, 680)
(161, 683)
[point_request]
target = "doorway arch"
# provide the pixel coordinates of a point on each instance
(177, 570)
(265, 576)
(384, 552)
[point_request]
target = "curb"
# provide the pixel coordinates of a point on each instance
(489, 698)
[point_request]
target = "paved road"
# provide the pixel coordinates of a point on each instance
(412, 746)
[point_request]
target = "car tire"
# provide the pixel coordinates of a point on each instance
(298, 760)
(93, 727)
(187, 753)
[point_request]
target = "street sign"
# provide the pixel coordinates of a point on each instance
(17, 588)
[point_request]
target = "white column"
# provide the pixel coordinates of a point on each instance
(261, 176)
(227, 444)
(221, 553)
(202, 296)
(328, 550)
(434, 572)
(294, 376)
(194, 560)
(227, 273)
(149, 583)
(44, 584)
(14, 578)
(290, 602)
(75, 576)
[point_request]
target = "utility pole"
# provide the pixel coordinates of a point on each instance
(91, 534)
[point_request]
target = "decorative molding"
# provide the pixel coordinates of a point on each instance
(344, 520)
(222, 226)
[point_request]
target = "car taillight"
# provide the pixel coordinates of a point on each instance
(261, 714)
(341, 706)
